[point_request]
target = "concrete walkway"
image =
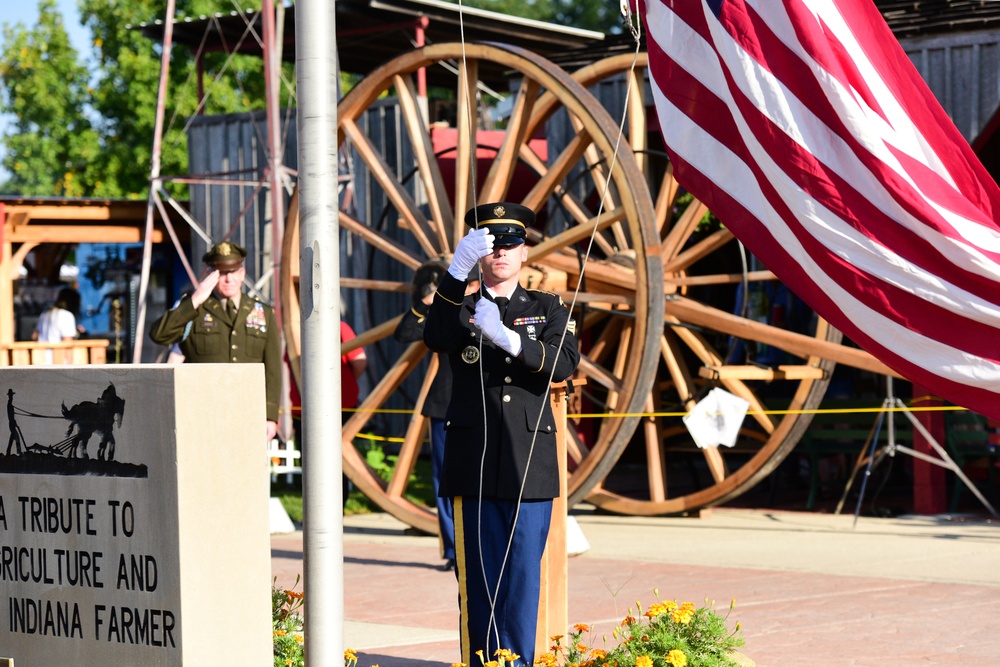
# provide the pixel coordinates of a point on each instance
(811, 589)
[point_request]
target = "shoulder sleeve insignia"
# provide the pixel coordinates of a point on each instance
(571, 326)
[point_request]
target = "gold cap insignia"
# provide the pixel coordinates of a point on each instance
(499, 211)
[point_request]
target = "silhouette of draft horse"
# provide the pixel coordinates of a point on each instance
(89, 417)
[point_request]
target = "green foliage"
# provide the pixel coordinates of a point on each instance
(50, 143)
(287, 625)
(84, 123)
(597, 15)
(671, 635)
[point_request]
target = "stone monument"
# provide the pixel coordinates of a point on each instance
(134, 516)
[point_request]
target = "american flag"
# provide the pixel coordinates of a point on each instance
(805, 128)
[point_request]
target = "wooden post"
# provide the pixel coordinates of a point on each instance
(929, 492)
(553, 602)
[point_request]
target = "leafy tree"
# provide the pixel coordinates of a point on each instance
(50, 142)
(600, 15)
(83, 132)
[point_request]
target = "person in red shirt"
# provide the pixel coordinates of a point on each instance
(352, 367)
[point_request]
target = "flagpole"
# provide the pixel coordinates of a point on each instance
(319, 269)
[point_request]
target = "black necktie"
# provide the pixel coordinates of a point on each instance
(501, 303)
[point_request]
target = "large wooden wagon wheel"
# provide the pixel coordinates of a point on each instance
(781, 367)
(620, 309)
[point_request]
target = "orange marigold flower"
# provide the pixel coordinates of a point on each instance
(581, 627)
(294, 595)
(546, 660)
(280, 633)
(581, 647)
(643, 661)
(676, 658)
(492, 663)
(628, 620)
(556, 638)
(599, 654)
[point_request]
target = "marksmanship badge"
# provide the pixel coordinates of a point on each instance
(470, 355)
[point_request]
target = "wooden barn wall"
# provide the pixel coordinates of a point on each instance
(963, 72)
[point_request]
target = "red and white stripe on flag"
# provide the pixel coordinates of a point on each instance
(803, 126)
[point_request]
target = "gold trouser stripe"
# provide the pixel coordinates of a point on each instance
(463, 591)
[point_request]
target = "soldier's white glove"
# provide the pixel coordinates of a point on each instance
(488, 321)
(474, 245)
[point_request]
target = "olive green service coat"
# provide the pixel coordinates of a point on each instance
(516, 389)
(212, 338)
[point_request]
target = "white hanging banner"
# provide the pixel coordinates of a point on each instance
(716, 419)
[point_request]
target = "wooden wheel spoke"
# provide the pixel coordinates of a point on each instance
(427, 165)
(698, 251)
(375, 285)
(682, 230)
(597, 374)
(554, 174)
(798, 344)
(502, 170)
(576, 234)
(722, 278)
(381, 242)
(413, 440)
(708, 357)
(405, 365)
(410, 216)
(467, 121)
(666, 195)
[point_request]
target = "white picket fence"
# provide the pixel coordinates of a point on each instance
(285, 460)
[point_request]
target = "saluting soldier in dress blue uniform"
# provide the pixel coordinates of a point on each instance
(505, 344)
(218, 324)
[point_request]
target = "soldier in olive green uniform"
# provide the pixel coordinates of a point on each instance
(217, 323)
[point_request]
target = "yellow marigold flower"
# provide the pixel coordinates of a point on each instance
(682, 616)
(546, 660)
(599, 654)
(280, 633)
(480, 654)
(676, 658)
(458, 664)
(288, 662)
(492, 663)
(506, 654)
(350, 655)
(643, 661)
(688, 605)
(581, 627)
(556, 638)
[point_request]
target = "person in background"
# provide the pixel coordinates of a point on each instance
(506, 345)
(227, 326)
(352, 367)
(56, 324)
(411, 329)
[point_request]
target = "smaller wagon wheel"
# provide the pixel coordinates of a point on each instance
(780, 366)
(622, 287)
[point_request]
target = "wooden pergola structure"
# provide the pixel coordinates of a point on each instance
(26, 223)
